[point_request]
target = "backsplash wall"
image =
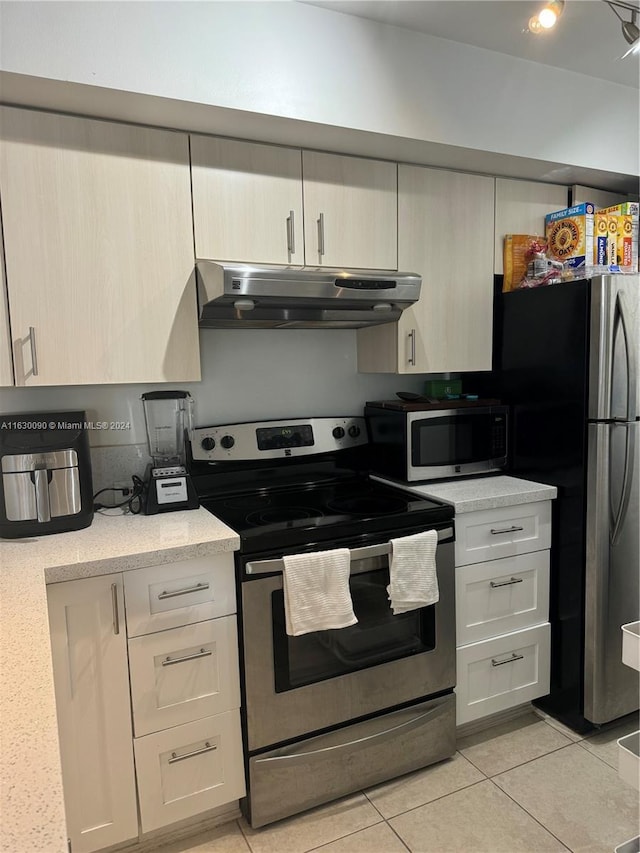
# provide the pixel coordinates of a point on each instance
(247, 374)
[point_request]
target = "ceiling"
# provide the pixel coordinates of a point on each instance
(587, 39)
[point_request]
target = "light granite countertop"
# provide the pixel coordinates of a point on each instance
(471, 494)
(31, 800)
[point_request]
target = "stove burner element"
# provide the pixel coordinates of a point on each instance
(283, 514)
(368, 505)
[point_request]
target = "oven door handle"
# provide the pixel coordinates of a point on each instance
(263, 567)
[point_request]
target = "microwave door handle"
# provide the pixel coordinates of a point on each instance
(262, 567)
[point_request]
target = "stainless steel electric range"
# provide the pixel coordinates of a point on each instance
(328, 712)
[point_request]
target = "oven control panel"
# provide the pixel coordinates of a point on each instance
(276, 439)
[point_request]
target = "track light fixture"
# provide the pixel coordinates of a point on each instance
(547, 17)
(630, 29)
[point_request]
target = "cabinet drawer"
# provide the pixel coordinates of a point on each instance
(504, 532)
(501, 596)
(184, 674)
(189, 769)
(502, 673)
(175, 594)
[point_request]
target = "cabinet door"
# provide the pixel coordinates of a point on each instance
(445, 233)
(99, 251)
(247, 201)
(6, 359)
(350, 211)
(599, 198)
(89, 650)
(521, 207)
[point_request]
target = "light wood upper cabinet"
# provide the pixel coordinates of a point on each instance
(6, 360)
(99, 251)
(247, 201)
(599, 198)
(521, 207)
(445, 227)
(350, 211)
(89, 653)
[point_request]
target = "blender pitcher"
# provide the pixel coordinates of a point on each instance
(169, 420)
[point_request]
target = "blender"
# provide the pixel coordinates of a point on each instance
(168, 486)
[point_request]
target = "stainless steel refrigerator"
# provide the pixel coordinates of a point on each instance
(569, 359)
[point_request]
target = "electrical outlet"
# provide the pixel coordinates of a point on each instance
(124, 486)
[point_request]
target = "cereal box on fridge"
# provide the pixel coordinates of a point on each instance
(626, 215)
(569, 233)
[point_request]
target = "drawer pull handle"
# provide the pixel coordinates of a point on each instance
(203, 653)
(513, 529)
(197, 588)
(495, 585)
(206, 748)
(514, 657)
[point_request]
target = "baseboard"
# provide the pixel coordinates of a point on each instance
(150, 842)
(493, 720)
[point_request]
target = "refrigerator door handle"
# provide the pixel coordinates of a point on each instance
(632, 377)
(627, 482)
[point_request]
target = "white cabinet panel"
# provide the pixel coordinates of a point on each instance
(99, 251)
(188, 769)
(600, 198)
(445, 233)
(247, 201)
(184, 674)
(180, 593)
(6, 357)
(89, 650)
(503, 532)
(501, 596)
(350, 211)
(501, 673)
(521, 207)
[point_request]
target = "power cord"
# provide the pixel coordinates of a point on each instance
(133, 500)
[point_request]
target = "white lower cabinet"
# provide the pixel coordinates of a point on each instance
(188, 769)
(502, 608)
(180, 685)
(503, 672)
(89, 651)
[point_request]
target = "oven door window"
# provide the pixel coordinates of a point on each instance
(452, 440)
(378, 636)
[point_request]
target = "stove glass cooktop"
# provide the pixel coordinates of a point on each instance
(319, 511)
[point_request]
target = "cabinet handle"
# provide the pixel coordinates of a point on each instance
(203, 653)
(291, 235)
(495, 585)
(197, 588)
(34, 354)
(206, 748)
(114, 608)
(321, 234)
(514, 657)
(506, 530)
(412, 347)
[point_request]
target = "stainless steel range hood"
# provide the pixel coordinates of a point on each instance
(242, 296)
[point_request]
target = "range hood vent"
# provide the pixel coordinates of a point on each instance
(242, 296)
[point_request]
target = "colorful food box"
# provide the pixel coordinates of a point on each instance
(517, 247)
(626, 215)
(569, 234)
(605, 227)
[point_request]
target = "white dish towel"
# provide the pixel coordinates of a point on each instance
(412, 572)
(316, 591)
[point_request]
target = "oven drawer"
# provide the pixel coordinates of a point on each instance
(501, 596)
(184, 674)
(174, 594)
(313, 771)
(503, 532)
(189, 769)
(502, 673)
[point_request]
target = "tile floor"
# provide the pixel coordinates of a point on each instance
(526, 785)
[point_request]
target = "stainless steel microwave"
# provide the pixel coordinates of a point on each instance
(412, 444)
